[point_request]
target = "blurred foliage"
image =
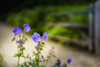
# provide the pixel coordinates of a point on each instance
(19, 5)
(77, 19)
(1, 60)
(32, 17)
(38, 16)
(60, 31)
(68, 8)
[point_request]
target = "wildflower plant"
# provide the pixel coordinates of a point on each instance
(37, 55)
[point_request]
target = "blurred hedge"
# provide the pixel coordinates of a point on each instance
(37, 18)
(32, 17)
(1, 61)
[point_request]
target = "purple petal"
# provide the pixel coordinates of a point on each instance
(17, 30)
(19, 41)
(36, 37)
(38, 46)
(45, 36)
(26, 27)
(69, 59)
(40, 58)
(31, 61)
(58, 63)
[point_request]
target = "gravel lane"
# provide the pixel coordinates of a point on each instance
(8, 48)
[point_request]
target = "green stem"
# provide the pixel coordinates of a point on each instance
(18, 61)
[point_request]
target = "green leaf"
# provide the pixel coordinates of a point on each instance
(34, 53)
(36, 59)
(38, 64)
(21, 65)
(23, 56)
(54, 55)
(19, 46)
(13, 39)
(19, 35)
(41, 48)
(33, 64)
(25, 40)
(25, 63)
(43, 43)
(17, 55)
(22, 48)
(48, 57)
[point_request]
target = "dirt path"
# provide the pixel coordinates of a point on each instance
(8, 48)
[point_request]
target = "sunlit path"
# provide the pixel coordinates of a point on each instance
(8, 48)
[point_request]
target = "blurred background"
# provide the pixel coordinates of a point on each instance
(65, 21)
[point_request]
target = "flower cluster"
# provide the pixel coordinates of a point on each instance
(18, 30)
(36, 37)
(40, 44)
(20, 41)
(58, 62)
(37, 57)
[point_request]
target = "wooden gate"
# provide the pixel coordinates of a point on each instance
(93, 40)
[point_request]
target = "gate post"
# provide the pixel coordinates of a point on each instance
(97, 27)
(91, 28)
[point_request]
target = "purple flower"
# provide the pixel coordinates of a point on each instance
(45, 36)
(36, 37)
(58, 63)
(26, 27)
(40, 58)
(20, 41)
(69, 59)
(31, 61)
(38, 46)
(17, 30)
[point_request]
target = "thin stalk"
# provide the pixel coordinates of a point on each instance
(18, 61)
